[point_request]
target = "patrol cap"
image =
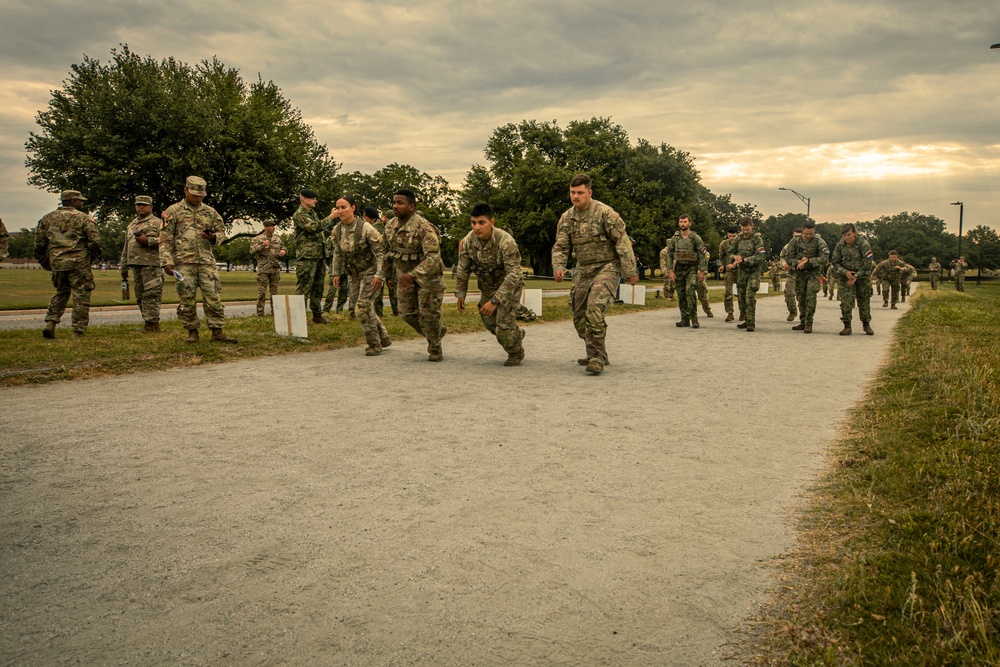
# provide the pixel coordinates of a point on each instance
(196, 185)
(269, 223)
(371, 212)
(308, 194)
(144, 199)
(70, 195)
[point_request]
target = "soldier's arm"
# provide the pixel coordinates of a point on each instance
(256, 245)
(836, 261)
(615, 228)
(302, 219)
(167, 239)
(867, 264)
(93, 238)
(337, 257)
(123, 260)
(757, 258)
(820, 260)
(663, 261)
(510, 289)
(153, 237)
(560, 249)
(377, 245)
(463, 269)
(702, 251)
(220, 228)
(42, 243)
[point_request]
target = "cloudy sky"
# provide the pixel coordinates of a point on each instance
(868, 107)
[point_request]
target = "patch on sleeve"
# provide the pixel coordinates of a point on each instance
(869, 254)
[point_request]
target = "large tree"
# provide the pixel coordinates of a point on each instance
(983, 248)
(916, 237)
(136, 125)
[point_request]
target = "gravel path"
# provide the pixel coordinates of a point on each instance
(334, 509)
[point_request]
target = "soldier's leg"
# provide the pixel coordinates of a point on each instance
(933, 282)
(811, 292)
(753, 284)
(57, 305)
(599, 299)
(409, 308)
(727, 300)
(430, 296)
(151, 279)
(894, 292)
(262, 281)
(684, 298)
(211, 296)
(790, 297)
(187, 294)
(364, 296)
(863, 293)
(702, 290)
(137, 285)
(377, 298)
(390, 287)
(961, 283)
(847, 296)
(578, 298)
(344, 293)
(331, 294)
(81, 283)
(688, 281)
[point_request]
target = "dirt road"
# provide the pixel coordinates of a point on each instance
(335, 509)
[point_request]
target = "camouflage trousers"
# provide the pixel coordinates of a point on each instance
(266, 281)
(502, 323)
(668, 287)
(420, 307)
(78, 283)
(747, 284)
(148, 282)
(390, 287)
(890, 292)
(727, 300)
(790, 295)
(686, 278)
(594, 287)
(935, 279)
(806, 289)
(960, 283)
(363, 296)
(309, 278)
(703, 297)
(775, 282)
(834, 286)
(201, 276)
(342, 294)
(860, 291)
(378, 298)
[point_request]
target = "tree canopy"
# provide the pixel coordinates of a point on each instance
(136, 125)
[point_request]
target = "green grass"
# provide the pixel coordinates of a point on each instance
(900, 559)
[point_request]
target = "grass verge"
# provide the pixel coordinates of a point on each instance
(899, 559)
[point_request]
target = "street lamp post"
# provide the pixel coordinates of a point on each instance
(961, 214)
(805, 200)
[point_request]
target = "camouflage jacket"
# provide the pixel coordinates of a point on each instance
(358, 250)
(67, 239)
(816, 250)
(890, 271)
(724, 253)
(594, 236)
(688, 251)
(136, 254)
(414, 248)
(181, 241)
(959, 267)
(935, 269)
(775, 270)
(909, 272)
(311, 232)
(269, 257)
(856, 258)
(663, 262)
(750, 249)
(496, 263)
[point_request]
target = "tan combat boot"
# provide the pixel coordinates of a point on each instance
(435, 356)
(220, 337)
(868, 329)
(595, 366)
(192, 337)
(50, 330)
(846, 331)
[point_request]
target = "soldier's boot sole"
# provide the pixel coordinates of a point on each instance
(49, 331)
(868, 330)
(798, 327)
(594, 366)
(219, 336)
(192, 337)
(729, 317)
(846, 331)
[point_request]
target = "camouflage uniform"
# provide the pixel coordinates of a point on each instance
(856, 257)
(668, 284)
(748, 274)
(909, 273)
(789, 288)
(603, 254)
(415, 249)
(775, 276)
(832, 281)
(497, 265)
(336, 295)
(66, 242)
(807, 279)
(379, 297)
(310, 256)
(729, 277)
(935, 274)
(268, 266)
(4, 237)
(891, 275)
(359, 253)
(686, 256)
(144, 260)
(702, 290)
(182, 245)
(959, 268)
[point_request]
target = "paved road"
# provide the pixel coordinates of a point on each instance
(331, 508)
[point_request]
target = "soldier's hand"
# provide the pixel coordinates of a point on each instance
(461, 305)
(559, 275)
(208, 237)
(336, 282)
(701, 277)
(267, 244)
(673, 276)
(282, 253)
(376, 283)
(802, 263)
(633, 280)
(487, 308)
(142, 239)
(169, 269)
(124, 273)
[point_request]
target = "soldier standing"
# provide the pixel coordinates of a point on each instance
(603, 251)
(141, 252)
(190, 229)
(310, 253)
(371, 216)
(268, 250)
(66, 243)
(890, 272)
(746, 257)
(390, 274)
(492, 254)
(359, 254)
(775, 276)
(935, 272)
(959, 266)
(687, 262)
(702, 290)
(730, 276)
(809, 256)
(790, 297)
(415, 250)
(852, 264)
(909, 273)
(832, 280)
